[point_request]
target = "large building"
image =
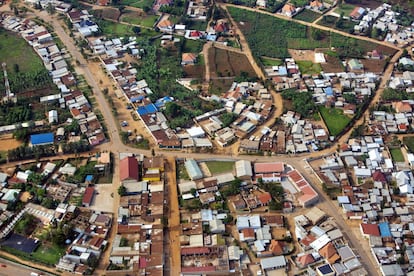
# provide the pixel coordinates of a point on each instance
(193, 169)
(42, 139)
(129, 169)
(244, 170)
(269, 172)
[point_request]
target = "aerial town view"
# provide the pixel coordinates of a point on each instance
(207, 137)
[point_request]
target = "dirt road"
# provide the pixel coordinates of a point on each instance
(173, 217)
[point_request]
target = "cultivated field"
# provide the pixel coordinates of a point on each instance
(228, 64)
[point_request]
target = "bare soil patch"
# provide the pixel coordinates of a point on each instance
(302, 54)
(375, 66)
(194, 71)
(108, 13)
(8, 142)
(332, 65)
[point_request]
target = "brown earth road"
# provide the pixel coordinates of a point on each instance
(206, 48)
(173, 217)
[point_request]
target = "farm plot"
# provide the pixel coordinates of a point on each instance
(332, 65)
(228, 64)
(308, 15)
(373, 65)
(107, 13)
(285, 34)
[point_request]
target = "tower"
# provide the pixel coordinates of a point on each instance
(9, 95)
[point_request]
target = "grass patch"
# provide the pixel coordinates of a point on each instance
(145, 21)
(409, 142)
(15, 50)
(113, 29)
(49, 254)
(334, 119)
(397, 155)
(197, 25)
(138, 3)
(192, 46)
(308, 15)
(331, 22)
(182, 172)
(270, 61)
(307, 67)
(217, 167)
(345, 8)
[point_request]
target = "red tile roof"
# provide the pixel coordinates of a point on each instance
(264, 198)
(379, 176)
(128, 168)
(88, 195)
(208, 268)
(194, 250)
(276, 247)
(370, 229)
(269, 167)
(305, 260)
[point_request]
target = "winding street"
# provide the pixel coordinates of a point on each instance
(298, 161)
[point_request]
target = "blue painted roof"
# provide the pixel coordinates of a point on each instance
(162, 101)
(89, 178)
(384, 229)
(148, 109)
(325, 269)
(282, 70)
(211, 37)
(42, 138)
(328, 91)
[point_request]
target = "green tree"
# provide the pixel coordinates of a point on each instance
(122, 190)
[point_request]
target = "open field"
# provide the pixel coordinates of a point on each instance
(307, 15)
(192, 46)
(107, 13)
(136, 18)
(307, 67)
(228, 64)
(110, 28)
(409, 142)
(397, 155)
(346, 9)
(138, 3)
(48, 254)
(334, 119)
(217, 167)
(332, 65)
(373, 65)
(270, 61)
(15, 50)
(8, 142)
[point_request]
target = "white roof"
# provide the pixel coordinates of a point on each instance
(243, 168)
(195, 131)
(186, 187)
(273, 262)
